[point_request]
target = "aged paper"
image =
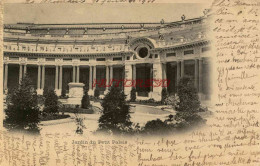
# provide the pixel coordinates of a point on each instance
(230, 136)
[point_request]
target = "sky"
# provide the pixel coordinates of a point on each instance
(97, 13)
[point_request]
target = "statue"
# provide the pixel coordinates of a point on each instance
(183, 17)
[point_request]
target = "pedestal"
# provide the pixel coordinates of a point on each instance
(39, 91)
(91, 92)
(156, 96)
(58, 92)
(75, 93)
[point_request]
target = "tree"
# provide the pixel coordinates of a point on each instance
(51, 102)
(156, 127)
(133, 95)
(22, 109)
(85, 102)
(115, 114)
(96, 93)
(164, 95)
(188, 105)
(188, 96)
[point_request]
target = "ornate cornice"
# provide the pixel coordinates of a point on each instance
(181, 46)
(66, 55)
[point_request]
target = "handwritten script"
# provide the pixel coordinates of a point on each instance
(232, 134)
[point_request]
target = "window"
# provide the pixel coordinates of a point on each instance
(100, 59)
(67, 59)
(32, 59)
(50, 59)
(117, 59)
(128, 58)
(14, 58)
(172, 54)
(143, 52)
(156, 56)
(204, 49)
(187, 52)
(84, 59)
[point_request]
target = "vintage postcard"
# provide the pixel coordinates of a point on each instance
(130, 82)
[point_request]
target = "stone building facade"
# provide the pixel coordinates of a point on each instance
(54, 55)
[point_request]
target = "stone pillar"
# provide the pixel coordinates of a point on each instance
(6, 77)
(178, 73)
(77, 74)
(24, 70)
(182, 68)
(128, 80)
(20, 73)
(57, 78)
(134, 72)
(157, 83)
(39, 81)
(94, 76)
(111, 73)
(200, 75)
(43, 77)
(57, 90)
(107, 78)
(74, 73)
(151, 76)
(196, 74)
(90, 78)
(60, 81)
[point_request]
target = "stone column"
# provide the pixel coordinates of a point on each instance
(111, 73)
(74, 73)
(94, 76)
(107, 77)
(128, 80)
(134, 72)
(6, 77)
(57, 78)
(90, 78)
(178, 73)
(200, 75)
(60, 81)
(151, 76)
(182, 68)
(24, 70)
(20, 73)
(43, 77)
(157, 84)
(39, 78)
(78, 74)
(196, 74)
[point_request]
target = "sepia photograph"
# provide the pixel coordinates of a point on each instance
(72, 69)
(130, 83)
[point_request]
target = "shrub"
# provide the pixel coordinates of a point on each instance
(133, 95)
(156, 127)
(85, 102)
(172, 100)
(188, 96)
(187, 120)
(40, 100)
(51, 104)
(80, 124)
(164, 95)
(115, 113)
(63, 92)
(96, 93)
(22, 109)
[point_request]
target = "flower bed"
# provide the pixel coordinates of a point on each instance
(47, 117)
(74, 109)
(149, 102)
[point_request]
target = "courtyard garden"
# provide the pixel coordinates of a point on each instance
(113, 114)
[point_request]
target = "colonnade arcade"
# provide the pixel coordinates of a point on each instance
(58, 76)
